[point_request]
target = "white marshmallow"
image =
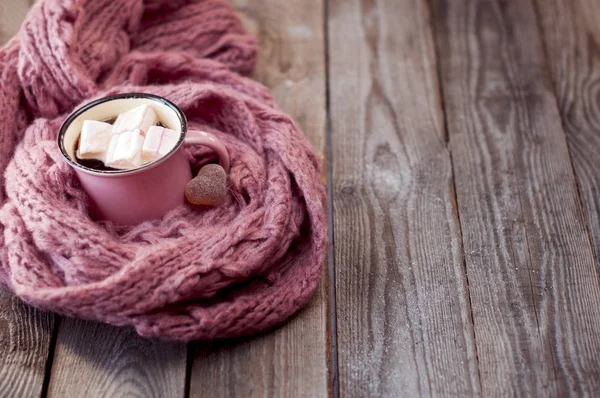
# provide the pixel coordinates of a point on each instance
(139, 118)
(125, 150)
(94, 139)
(159, 141)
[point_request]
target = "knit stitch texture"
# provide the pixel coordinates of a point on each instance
(197, 273)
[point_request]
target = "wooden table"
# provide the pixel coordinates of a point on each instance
(461, 140)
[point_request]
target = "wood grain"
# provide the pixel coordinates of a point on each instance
(533, 284)
(292, 360)
(98, 360)
(572, 38)
(25, 337)
(404, 322)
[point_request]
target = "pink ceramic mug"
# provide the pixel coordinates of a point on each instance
(151, 190)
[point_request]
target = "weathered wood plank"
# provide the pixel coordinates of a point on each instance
(98, 360)
(25, 336)
(404, 323)
(292, 360)
(532, 279)
(12, 13)
(572, 34)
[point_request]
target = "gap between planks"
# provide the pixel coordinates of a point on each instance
(334, 367)
(442, 100)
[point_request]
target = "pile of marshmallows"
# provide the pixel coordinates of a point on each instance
(133, 140)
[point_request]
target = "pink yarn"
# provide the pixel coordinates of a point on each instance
(227, 271)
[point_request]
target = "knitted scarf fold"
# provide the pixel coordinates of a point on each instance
(197, 273)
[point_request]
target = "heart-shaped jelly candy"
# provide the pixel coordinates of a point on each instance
(209, 187)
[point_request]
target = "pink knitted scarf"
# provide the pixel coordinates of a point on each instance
(198, 273)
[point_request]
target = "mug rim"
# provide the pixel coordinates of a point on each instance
(114, 173)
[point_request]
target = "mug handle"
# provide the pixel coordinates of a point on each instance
(198, 137)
